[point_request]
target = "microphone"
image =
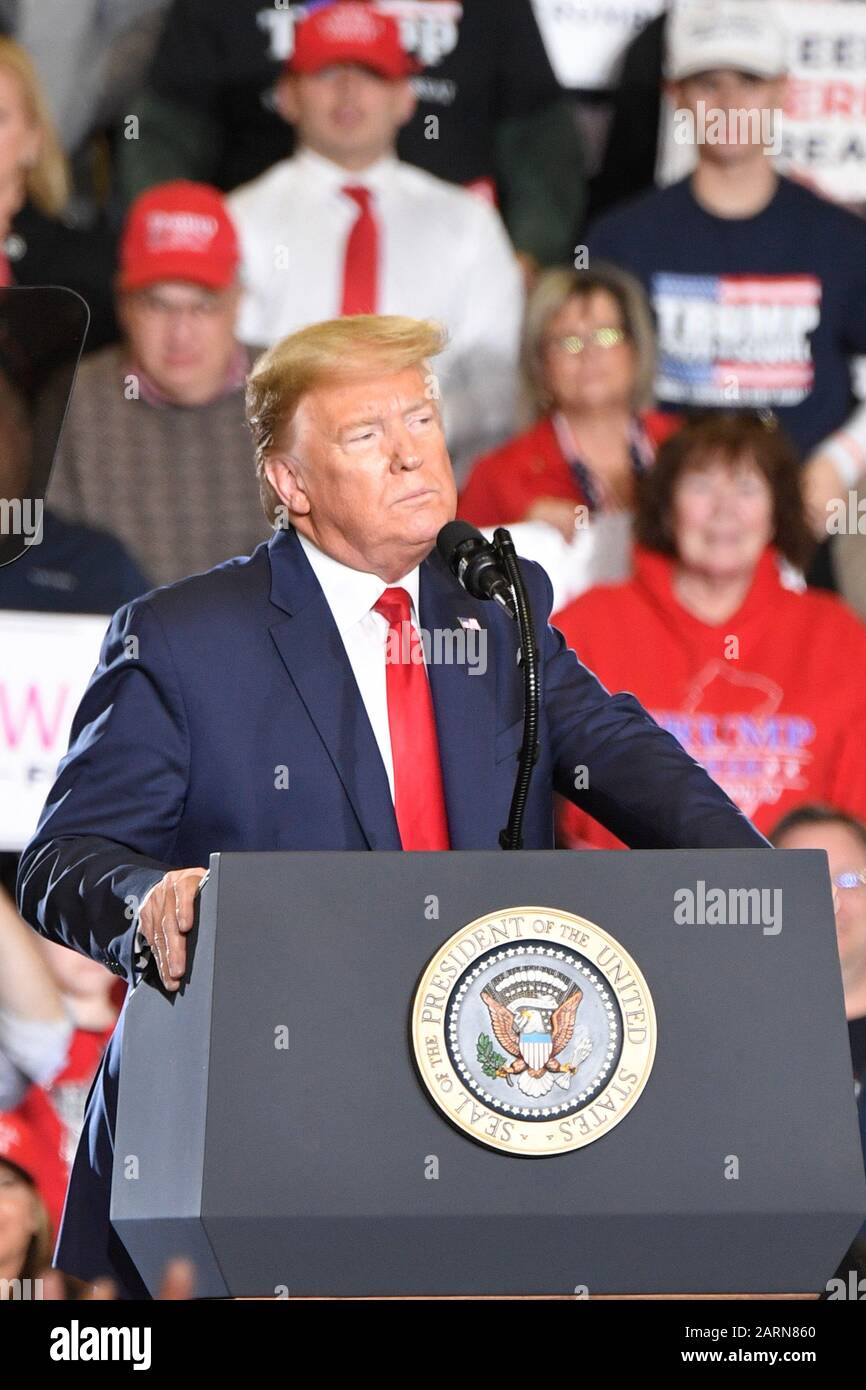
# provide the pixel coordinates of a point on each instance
(475, 563)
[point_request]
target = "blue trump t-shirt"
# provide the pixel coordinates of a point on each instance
(759, 312)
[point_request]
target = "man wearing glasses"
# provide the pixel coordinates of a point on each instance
(844, 838)
(155, 446)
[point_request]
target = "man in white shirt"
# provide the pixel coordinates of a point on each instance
(262, 705)
(399, 242)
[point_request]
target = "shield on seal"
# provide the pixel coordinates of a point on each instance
(536, 1044)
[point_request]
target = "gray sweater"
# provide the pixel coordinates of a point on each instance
(175, 484)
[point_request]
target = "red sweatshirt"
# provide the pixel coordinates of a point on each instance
(54, 1113)
(503, 485)
(772, 702)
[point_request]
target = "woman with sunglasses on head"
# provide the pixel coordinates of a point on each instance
(588, 360)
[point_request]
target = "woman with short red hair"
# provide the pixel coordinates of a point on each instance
(761, 679)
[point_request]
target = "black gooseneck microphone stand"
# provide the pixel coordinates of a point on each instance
(512, 835)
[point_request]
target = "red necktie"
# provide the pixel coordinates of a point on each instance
(419, 801)
(361, 268)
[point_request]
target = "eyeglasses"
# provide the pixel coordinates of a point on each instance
(850, 879)
(205, 308)
(600, 337)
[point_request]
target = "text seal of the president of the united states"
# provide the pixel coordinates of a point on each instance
(534, 1030)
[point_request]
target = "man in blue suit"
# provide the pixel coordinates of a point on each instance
(260, 707)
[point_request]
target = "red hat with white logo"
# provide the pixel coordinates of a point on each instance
(351, 32)
(179, 231)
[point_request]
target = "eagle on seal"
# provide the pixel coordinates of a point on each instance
(535, 1044)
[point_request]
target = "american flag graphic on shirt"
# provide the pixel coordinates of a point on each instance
(735, 339)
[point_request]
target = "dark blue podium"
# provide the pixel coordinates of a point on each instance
(275, 1124)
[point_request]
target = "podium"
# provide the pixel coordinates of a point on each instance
(289, 1121)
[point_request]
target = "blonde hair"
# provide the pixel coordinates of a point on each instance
(337, 350)
(47, 180)
(552, 292)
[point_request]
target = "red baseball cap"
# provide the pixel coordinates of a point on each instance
(179, 231)
(31, 1140)
(351, 32)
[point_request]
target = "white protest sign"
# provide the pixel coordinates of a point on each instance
(46, 660)
(824, 124)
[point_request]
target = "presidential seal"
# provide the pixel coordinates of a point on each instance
(534, 1031)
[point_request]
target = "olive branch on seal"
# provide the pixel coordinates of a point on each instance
(490, 1059)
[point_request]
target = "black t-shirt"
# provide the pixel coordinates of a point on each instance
(755, 312)
(45, 250)
(629, 160)
(484, 60)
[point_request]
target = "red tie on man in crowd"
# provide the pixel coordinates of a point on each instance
(419, 801)
(361, 267)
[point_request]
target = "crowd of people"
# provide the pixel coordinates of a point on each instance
(652, 387)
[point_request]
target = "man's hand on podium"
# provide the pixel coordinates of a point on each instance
(166, 914)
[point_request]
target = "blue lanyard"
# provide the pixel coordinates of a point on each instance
(640, 453)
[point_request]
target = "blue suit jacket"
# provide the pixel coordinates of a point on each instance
(206, 687)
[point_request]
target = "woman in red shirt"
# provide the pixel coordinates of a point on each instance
(761, 679)
(588, 361)
(26, 1236)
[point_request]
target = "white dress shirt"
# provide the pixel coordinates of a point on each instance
(350, 595)
(444, 254)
